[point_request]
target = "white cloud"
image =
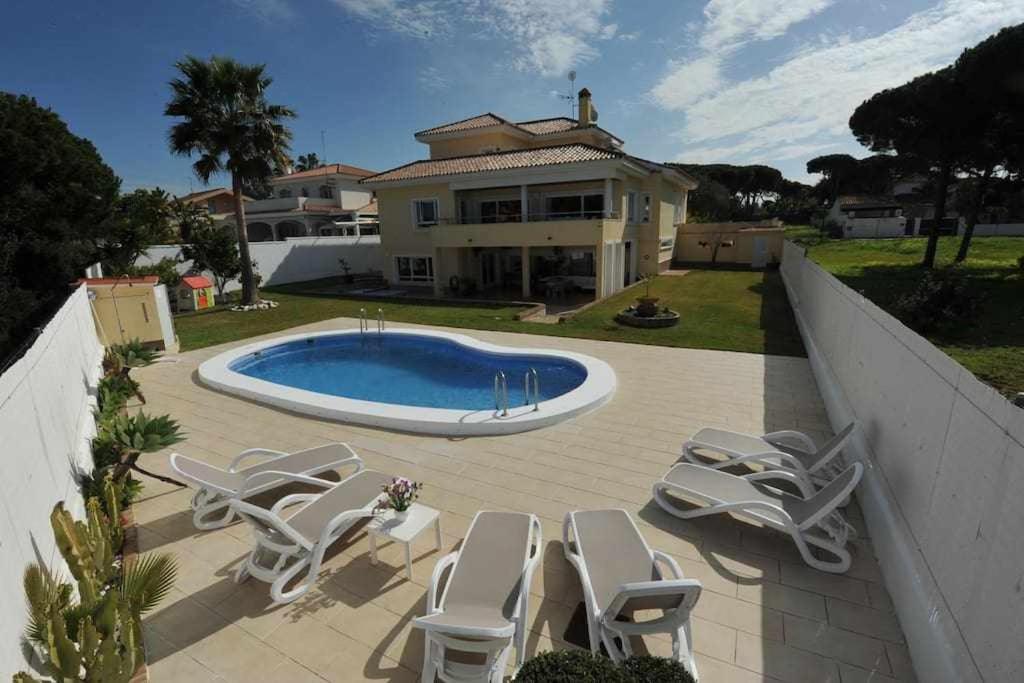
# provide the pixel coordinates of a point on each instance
(803, 105)
(730, 22)
(629, 36)
(547, 36)
(432, 78)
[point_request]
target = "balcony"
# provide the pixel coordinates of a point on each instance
(281, 204)
(540, 230)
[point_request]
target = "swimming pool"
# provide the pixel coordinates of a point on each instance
(414, 380)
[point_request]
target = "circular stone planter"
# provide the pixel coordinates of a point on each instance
(630, 318)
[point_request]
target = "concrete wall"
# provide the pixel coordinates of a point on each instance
(944, 458)
(690, 235)
(46, 403)
(995, 229)
(859, 228)
(295, 259)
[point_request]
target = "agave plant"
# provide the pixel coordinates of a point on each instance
(134, 435)
(118, 360)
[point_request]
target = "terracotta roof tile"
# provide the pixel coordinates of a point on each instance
(329, 169)
(196, 281)
(545, 126)
(497, 161)
(481, 121)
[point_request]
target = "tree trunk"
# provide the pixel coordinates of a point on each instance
(248, 282)
(972, 217)
(941, 190)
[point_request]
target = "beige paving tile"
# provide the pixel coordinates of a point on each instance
(839, 644)
(355, 623)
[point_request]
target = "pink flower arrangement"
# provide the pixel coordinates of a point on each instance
(399, 495)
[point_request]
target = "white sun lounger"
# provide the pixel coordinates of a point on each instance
(289, 545)
(620, 574)
(217, 487)
(812, 520)
(787, 449)
(481, 613)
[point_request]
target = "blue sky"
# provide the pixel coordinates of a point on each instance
(743, 81)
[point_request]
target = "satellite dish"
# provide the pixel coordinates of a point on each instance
(593, 114)
(572, 76)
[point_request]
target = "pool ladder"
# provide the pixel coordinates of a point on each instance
(530, 379)
(364, 324)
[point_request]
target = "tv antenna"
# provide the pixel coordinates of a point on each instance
(571, 97)
(323, 146)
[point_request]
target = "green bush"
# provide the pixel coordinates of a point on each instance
(942, 300)
(646, 668)
(166, 269)
(572, 666)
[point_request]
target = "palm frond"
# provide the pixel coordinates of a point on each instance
(43, 591)
(147, 581)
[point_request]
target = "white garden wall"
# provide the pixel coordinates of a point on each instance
(46, 422)
(996, 230)
(943, 492)
(295, 259)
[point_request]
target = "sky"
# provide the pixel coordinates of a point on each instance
(733, 81)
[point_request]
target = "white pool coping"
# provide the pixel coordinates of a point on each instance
(596, 389)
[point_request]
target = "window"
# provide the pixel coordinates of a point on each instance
(211, 206)
(631, 207)
(305, 192)
(581, 264)
(575, 206)
(424, 212)
(501, 211)
(326, 192)
(666, 244)
(645, 208)
(285, 193)
(414, 268)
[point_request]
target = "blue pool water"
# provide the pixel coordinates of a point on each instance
(406, 369)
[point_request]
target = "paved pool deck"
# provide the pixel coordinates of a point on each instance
(763, 615)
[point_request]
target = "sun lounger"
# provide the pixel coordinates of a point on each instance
(217, 487)
(786, 449)
(290, 542)
(480, 614)
(811, 519)
(620, 575)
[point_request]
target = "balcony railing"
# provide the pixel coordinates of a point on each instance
(531, 218)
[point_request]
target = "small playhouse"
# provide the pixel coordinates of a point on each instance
(195, 293)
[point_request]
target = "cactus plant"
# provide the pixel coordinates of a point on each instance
(86, 548)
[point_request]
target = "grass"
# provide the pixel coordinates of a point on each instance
(721, 309)
(993, 347)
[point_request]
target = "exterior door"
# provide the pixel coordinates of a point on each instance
(760, 256)
(628, 264)
(488, 269)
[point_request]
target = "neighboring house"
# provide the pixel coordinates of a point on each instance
(219, 202)
(508, 205)
(867, 216)
(327, 200)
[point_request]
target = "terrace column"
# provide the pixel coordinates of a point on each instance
(607, 197)
(526, 272)
(524, 204)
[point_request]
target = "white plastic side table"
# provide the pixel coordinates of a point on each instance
(385, 526)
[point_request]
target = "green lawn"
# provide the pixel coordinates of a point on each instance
(993, 348)
(721, 309)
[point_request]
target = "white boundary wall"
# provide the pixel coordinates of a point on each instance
(46, 422)
(943, 491)
(295, 259)
(996, 230)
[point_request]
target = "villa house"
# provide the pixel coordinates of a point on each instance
(521, 206)
(862, 216)
(327, 200)
(219, 202)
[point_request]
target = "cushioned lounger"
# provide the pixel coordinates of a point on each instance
(811, 519)
(287, 545)
(621, 575)
(480, 614)
(217, 487)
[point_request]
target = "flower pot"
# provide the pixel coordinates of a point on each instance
(647, 306)
(401, 515)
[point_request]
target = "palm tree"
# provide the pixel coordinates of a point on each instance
(307, 162)
(229, 124)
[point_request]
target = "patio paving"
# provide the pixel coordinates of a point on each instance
(763, 615)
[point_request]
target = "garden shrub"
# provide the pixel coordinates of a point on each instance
(572, 666)
(941, 301)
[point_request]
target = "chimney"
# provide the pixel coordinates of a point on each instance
(586, 112)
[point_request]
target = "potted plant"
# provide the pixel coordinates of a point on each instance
(647, 305)
(347, 278)
(399, 496)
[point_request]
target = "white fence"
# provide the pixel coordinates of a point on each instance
(943, 492)
(295, 259)
(46, 422)
(996, 230)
